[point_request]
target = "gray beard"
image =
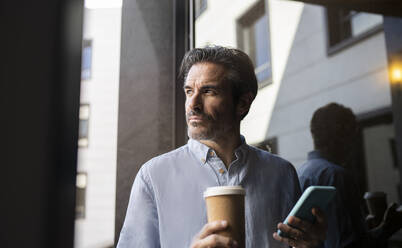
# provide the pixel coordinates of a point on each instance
(214, 133)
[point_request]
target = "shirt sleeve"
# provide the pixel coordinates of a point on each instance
(140, 227)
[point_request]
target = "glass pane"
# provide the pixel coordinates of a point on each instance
(83, 133)
(245, 26)
(261, 41)
(86, 60)
(362, 22)
(347, 94)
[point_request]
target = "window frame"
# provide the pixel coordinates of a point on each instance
(243, 24)
(81, 145)
(80, 214)
(87, 43)
(270, 145)
(198, 12)
(348, 42)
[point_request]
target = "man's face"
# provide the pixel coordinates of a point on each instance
(210, 111)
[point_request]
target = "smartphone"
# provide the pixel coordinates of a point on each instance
(313, 196)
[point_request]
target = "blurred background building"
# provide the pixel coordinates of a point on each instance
(97, 143)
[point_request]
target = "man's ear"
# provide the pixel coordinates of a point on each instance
(243, 105)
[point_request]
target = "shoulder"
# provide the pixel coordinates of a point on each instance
(271, 164)
(156, 161)
(322, 172)
(164, 162)
(268, 159)
(319, 166)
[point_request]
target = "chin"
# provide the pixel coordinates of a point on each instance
(198, 135)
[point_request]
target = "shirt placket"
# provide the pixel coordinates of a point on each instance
(219, 168)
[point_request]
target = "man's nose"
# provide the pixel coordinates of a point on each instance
(195, 102)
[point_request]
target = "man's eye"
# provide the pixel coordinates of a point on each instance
(209, 91)
(188, 92)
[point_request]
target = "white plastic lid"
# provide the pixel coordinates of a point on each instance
(224, 190)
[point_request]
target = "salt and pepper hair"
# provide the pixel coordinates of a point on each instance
(239, 70)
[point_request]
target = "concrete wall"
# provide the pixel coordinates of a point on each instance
(98, 160)
(146, 95)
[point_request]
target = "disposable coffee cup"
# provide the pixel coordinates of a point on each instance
(376, 202)
(227, 203)
(377, 205)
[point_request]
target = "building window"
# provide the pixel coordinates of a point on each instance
(83, 126)
(253, 38)
(200, 7)
(86, 63)
(270, 145)
(81, 186)
(346, 27)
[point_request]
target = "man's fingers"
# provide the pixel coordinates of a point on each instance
(300, 224)
(291, 232)
(289, 241)
(212, 227)
(215, 240)
(208, 237)
(320, 216)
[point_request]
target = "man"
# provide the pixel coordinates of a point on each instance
(334, 128)
(166, 205)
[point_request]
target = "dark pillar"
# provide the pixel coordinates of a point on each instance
(393, 39)
(39, 102)
(151, 116)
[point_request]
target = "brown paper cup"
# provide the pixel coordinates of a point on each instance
(227, 203)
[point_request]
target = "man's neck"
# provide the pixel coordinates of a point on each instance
(224, 147)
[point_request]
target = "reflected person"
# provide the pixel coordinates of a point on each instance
(167, 208)
(334, 129)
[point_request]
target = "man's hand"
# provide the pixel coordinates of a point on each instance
(207, 237)
(302, 233)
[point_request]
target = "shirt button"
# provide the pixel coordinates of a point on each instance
(221, 171)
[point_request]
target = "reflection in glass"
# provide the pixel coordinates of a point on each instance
(312, 56)
(246, 28)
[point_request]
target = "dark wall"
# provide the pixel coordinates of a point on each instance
(39, 101)
(151, 114)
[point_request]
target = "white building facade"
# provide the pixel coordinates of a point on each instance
(96, 180)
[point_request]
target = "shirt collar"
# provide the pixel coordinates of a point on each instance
(199, 150)
(203, 152)
(314, 155)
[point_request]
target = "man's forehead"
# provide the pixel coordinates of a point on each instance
(204, 72)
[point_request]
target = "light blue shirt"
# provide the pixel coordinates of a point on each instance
(167, 208)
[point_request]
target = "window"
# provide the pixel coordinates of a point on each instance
(375, 154)
(81, 186)
(253, 38)
(346, 27)
(200, 7)
(86, 63)
(270, 145)
(83, 126)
